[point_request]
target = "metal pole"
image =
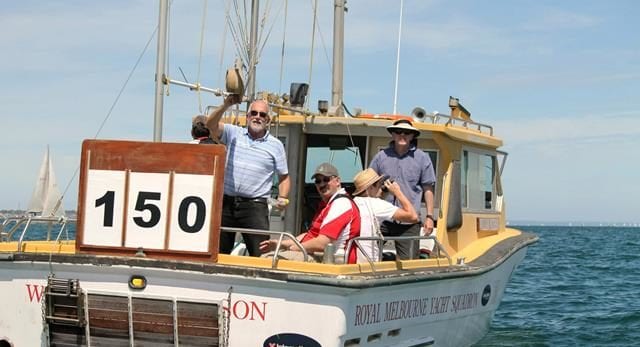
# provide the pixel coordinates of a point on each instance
(338, 55)
(395, 90)
(160, 69)
(253, 37)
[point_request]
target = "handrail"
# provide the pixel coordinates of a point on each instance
(450, 120)
(281, 236)
(381, 240)
(27, 221)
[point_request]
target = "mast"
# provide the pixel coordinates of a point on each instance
(253, 37)
(160, 69)
(338, 55)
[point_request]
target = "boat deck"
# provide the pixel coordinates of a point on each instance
(481, 257)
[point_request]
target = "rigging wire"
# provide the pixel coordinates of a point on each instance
(204, 20)
(168, 55)
(113, 105)
(242, 24)
(223, 43)
(313, 40)
(324, 46)
(284, 36)
(264, 42)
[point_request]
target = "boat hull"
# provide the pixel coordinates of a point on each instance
(433, 309)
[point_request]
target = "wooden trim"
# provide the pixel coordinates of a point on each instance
(151, 157)
(167, 227)
(125, 206)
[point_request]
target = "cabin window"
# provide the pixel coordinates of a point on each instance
(345, 153)
(478, 180)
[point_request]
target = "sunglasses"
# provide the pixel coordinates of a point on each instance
(255, 113)
(402, 132)
(324, 179)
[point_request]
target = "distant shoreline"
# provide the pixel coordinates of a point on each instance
(519, 223)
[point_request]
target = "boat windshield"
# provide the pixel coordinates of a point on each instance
(340, 151)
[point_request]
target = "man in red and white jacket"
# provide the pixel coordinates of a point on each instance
(337, 219)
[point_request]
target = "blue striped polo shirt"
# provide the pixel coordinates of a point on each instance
(251, 163)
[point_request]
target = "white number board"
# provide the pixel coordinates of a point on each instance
(161, 197)
(189, 225)
(105, 195)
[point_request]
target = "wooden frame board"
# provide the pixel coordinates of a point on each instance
(160, 200)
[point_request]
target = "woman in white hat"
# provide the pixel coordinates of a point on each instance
(374, 210)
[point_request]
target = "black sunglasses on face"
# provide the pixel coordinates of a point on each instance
(402, 132)
(324, 179)
(255, 113)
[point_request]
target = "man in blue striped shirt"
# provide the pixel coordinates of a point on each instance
(254, 156)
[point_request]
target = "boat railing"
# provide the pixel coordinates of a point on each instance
(433, 118)
(439, 118)
(281, 235)
(11, 225)
(381, 240)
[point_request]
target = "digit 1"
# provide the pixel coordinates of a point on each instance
(107, 201)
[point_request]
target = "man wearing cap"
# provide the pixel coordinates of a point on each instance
(254, 157)
(337, 219)
(404, 163)
(374, 210)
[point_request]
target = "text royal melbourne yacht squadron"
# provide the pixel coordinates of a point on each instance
(144, 268)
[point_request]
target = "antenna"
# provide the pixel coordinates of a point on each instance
(395, 93)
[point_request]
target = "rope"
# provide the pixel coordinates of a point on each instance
(324, 46)
(204, 20)
(264, 42)
(223, 44)
(284, 35)
(113, 105)
(313, 40)
(168, 47)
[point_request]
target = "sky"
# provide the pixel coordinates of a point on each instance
(559, 81)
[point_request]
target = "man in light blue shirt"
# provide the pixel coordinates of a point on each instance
(254, 156)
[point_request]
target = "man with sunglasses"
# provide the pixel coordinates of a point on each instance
(404, 163)
(254, 157)
(336, 221)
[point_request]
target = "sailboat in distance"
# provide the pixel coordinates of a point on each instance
(46, 199)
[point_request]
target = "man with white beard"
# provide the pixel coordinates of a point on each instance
(254, 156)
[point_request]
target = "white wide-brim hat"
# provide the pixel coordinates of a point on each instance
(403, 124)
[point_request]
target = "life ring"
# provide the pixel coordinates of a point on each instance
(385, 116)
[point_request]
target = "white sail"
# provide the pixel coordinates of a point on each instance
(46, 199)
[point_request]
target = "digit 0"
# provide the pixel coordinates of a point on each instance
(183, 211)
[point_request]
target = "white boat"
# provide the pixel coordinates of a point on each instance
(145, 270)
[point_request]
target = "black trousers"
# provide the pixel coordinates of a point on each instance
(244, 213)
(405, 249)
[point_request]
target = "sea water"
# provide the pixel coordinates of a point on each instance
(578, 286)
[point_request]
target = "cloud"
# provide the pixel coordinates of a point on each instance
(571, 130)
(555, 19)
